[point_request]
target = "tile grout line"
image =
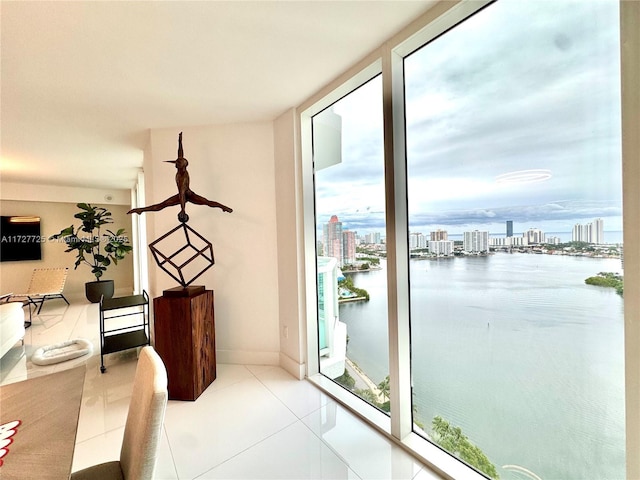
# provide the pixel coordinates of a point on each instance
(173, 458)
(300, 419)
(248, 448)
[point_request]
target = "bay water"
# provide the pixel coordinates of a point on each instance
(517, 351)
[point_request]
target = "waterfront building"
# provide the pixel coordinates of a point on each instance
(553, 240)
(332, 238)
(509, 228)
(348, 247)
(441, 247)
(579, 233)
(499, 241)
(332, 334)
(590, 232)
(476, 241)
(438, 235)
(534, 236)
(597, 231)
(519, 241)
(417, 240)
(508, 242)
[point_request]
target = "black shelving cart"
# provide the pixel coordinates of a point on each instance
(121, 335)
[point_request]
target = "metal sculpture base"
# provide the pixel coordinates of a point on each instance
(179, 292)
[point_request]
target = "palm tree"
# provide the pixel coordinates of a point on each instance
(384, 387)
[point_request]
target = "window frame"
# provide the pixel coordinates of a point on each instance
(388, 60)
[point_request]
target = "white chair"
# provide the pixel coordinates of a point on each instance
(143, 428)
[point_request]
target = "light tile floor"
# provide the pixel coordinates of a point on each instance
(253, 422)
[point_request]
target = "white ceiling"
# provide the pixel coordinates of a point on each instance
(82, 82)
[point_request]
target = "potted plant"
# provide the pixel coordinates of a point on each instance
(94, 249)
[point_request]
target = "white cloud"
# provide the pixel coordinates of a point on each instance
(522, 85)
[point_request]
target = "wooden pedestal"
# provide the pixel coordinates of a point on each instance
(185, 340)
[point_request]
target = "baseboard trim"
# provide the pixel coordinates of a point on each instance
(247, 358)
(241, 357)
(292, 366)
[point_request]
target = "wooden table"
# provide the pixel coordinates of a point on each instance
(48, 408)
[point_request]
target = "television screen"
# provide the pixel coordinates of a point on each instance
(20, 238)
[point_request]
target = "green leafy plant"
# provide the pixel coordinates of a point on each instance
(348, 284)
(92, 248)
(608, 279)
(455, 442)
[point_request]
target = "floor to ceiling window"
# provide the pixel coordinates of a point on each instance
(506, 134)
(514, 180)
(350, 230)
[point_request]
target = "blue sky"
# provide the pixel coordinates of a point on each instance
(512, 115)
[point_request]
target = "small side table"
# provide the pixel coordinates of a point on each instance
(130, 335)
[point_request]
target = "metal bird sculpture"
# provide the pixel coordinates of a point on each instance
(184, 195)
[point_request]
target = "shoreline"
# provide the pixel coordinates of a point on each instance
(359, 374)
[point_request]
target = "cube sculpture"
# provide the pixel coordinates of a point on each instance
(191, 258)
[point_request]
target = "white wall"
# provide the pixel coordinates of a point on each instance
(233, 165)
(290, 255)
(15, 276)
(56, 193)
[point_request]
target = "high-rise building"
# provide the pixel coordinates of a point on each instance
(332, 239)
(372, 238)
(597, 231)
(332, 333)
(509, 228)
(591, 232)
(476, 242)
(534, 236)
(579, 233)
(348, 247)
(441, 247)
(417, 240)
(438, 235)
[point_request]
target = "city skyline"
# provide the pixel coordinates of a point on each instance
(491, 141)
(591, 232)
(440, 234)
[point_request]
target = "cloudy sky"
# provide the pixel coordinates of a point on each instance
(512, 115)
